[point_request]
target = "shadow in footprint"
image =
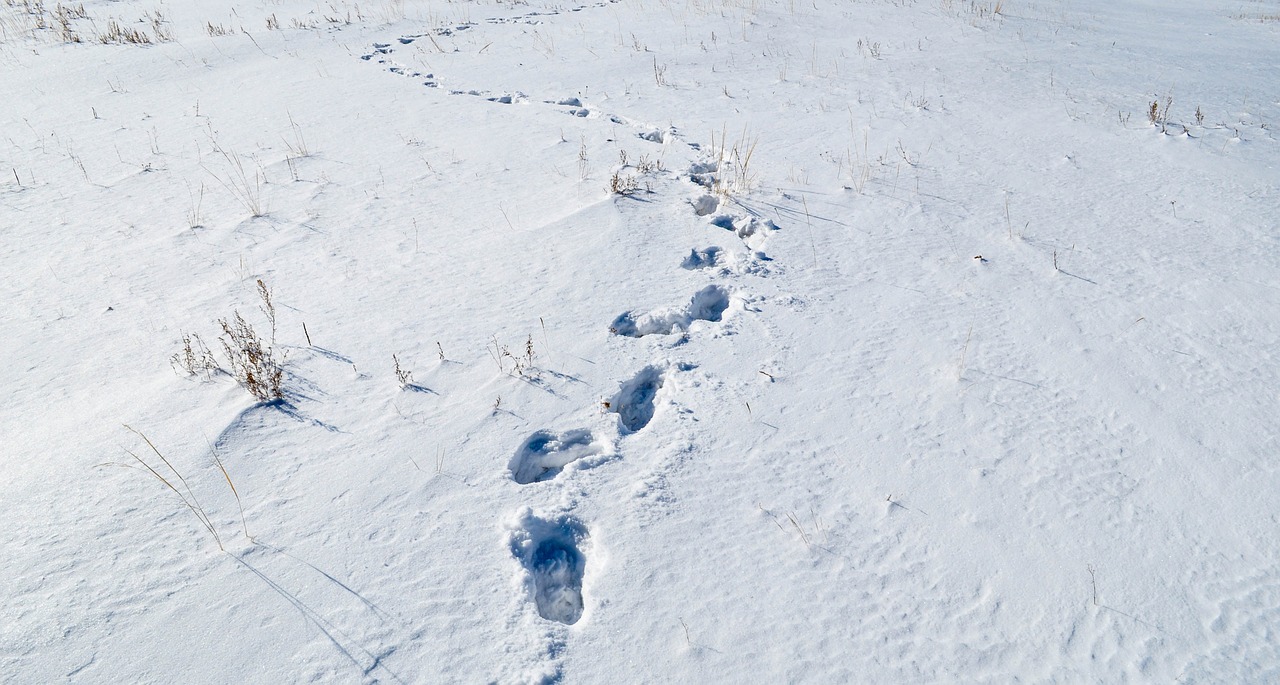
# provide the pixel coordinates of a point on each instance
(550, 551)
(708, 304)
(545, 454)
(635, 401)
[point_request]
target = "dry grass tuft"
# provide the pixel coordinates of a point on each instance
(255, 362)
(734, 175)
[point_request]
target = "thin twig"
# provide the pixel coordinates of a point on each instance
(1094, 579)
(964, 352)
(809, 221)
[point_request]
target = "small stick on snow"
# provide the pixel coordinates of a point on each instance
(1007, 222)
(813, 245)
(545, 337)
(892, 503)
(964, 353)
(1094, 579)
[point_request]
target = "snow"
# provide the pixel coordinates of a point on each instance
(912, 352)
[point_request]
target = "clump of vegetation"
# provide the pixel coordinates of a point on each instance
(622, 183)
(521, 364)
(1158, 114)
(255, 362)
(404, 376)
(734, 175)
(195, 357)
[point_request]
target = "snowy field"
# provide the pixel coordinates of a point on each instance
(669, 341)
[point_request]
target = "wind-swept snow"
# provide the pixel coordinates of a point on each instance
(640, 341)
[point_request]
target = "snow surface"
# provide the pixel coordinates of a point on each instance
(960, 369)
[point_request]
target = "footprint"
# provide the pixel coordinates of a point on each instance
(704, 205)
(654, 135)
(752, 231)
(576, 108)
(634, 403)
(708, 304)
(550, 551)
(703, 173)
(545, 454)
(728, 262)
(704, 259)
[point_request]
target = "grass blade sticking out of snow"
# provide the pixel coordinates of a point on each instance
(188, 499)
(218, 461)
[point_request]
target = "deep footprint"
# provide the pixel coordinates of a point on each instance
(545, 454)
(636, 399)
(708, 304)
(549, 550)
(703, 259)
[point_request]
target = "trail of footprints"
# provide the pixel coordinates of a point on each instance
(550, 547)
(381, 54)
(753, 231)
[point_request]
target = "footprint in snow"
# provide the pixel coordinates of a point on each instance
(726, 262)
(705, 204)
(713, 256)
(752, 231)
(702, 173)
(550, 550)
(545, 454)
(708, 304)
(655, 135)
(636, 400)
